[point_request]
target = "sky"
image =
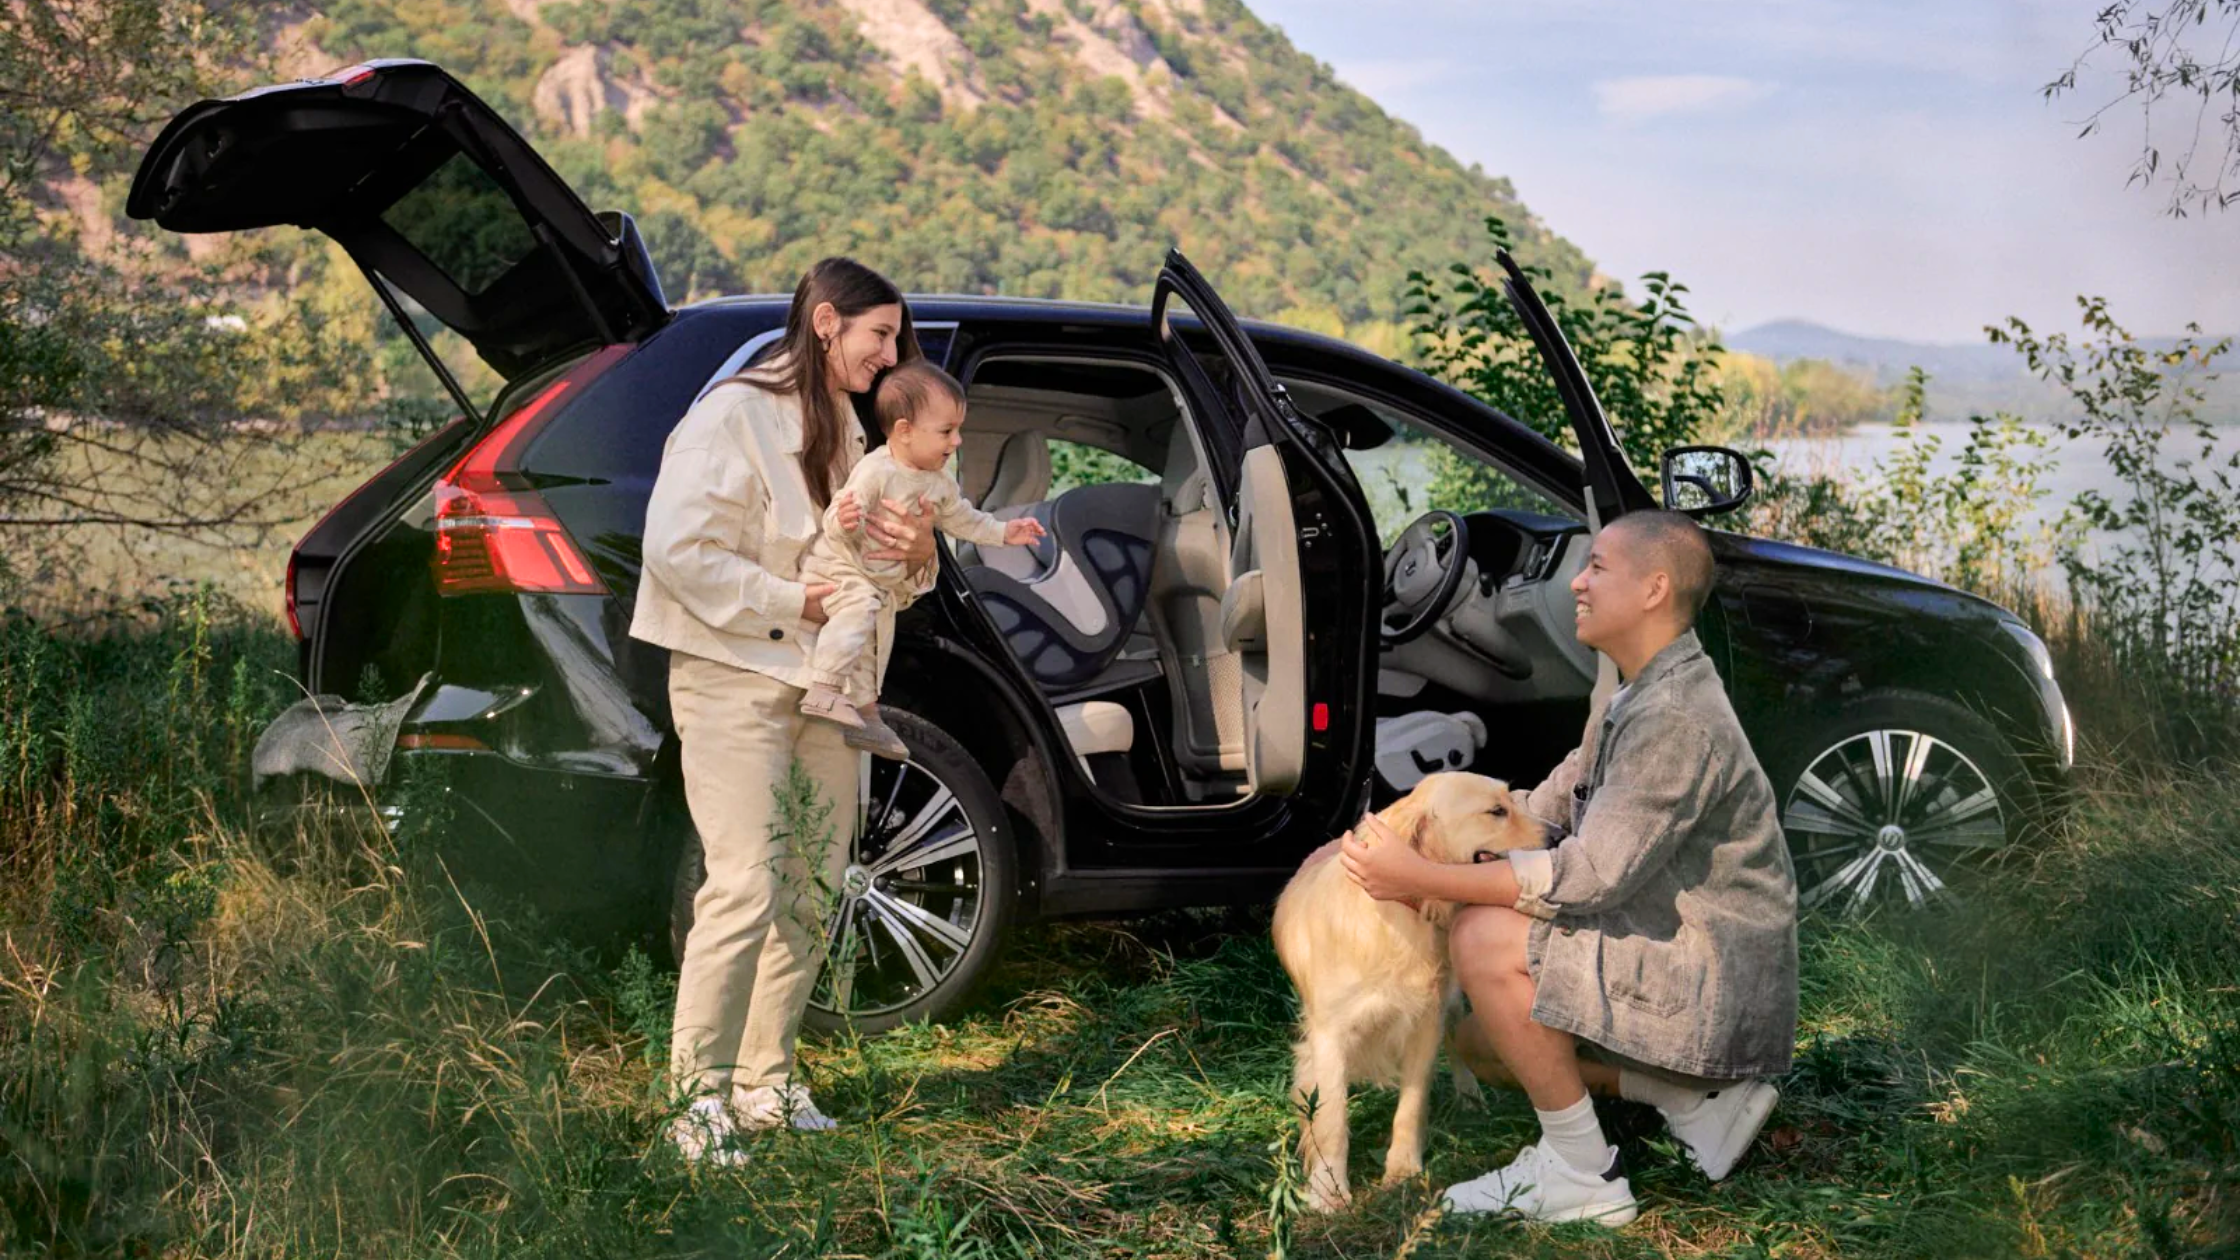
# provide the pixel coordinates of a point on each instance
(1889, 169)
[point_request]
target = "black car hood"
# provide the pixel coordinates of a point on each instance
(1731, 547)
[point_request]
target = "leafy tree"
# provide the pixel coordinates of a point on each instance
(2172, 53)
(2163, 573)
(1655, 373)
(125, 368)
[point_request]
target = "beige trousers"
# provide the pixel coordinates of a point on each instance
(844, 659)
(758, 923)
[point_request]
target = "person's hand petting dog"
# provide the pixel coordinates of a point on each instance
(1385, 866)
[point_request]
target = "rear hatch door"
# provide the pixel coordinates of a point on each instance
(433, 194)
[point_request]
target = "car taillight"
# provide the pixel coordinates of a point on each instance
(295, 556)
(494, 532)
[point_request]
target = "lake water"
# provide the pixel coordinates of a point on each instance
(1394, 476)
(2076, 466)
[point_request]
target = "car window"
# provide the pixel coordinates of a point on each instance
(1417, 471)
(464, 223)
(615, 430)
(1074, 464)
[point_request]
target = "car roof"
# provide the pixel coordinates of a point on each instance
(941, 308)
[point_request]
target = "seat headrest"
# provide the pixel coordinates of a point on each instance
(1022, 472)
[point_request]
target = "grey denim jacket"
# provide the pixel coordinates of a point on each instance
(1667, 913)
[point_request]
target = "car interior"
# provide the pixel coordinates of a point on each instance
(1148, 626)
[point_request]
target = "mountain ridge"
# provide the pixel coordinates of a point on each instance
(1029, 147)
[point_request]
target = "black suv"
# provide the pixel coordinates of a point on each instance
(1213, 663)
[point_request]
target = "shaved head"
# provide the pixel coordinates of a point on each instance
(1672, 544)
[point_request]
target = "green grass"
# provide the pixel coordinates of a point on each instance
(215, 1042)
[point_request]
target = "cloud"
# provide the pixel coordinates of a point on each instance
(1648, 96)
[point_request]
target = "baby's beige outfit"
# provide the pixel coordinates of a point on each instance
(852, 612)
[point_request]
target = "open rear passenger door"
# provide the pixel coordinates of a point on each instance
(1298, 611)
(434, 196)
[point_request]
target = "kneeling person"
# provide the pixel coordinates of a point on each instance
(921, 410)
(1657, 936)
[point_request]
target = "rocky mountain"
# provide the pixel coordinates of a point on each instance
(1033, 147)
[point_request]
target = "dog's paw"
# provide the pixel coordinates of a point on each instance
(1395, 1173)
(1324, 1199)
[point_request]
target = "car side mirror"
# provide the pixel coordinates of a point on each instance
(1706, 480)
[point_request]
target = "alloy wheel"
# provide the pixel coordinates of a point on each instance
(910, 902)
(1887, 816)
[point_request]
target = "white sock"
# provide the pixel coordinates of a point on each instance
(1576, 1135)
(1662, 1094)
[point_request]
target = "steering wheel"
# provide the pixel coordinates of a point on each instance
(1422, 571)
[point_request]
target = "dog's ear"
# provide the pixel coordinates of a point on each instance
(1408, 817)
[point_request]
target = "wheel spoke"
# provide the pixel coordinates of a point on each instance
(1977, 833)
(1885, 773)
(1843, 878)
(1917, 759)
(1817, 819)
(936, 807)
(912, 951)
(1982, 801)
(841, 958)
(1867, 880)
(1921, 882)
(922, 886)
(1814, 786)
(940, 847)
(918, 916)
(894, 789)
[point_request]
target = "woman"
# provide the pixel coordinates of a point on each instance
(743, 485)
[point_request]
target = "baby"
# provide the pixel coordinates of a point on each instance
(921, 410)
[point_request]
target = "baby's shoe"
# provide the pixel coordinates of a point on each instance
(876, 737)
(828, 705)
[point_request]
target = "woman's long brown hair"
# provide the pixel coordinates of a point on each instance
(797, 366)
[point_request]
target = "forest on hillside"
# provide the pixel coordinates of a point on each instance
(1055, 149)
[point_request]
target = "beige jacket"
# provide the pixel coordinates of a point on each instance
(726, 531)
(837, 555)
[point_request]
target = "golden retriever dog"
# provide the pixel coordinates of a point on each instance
(1373, 980)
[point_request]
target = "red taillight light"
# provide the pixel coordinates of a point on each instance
(493, 531)
(295, 626)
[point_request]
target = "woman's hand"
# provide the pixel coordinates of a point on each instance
(849, 513)
(1383, 865)
(812, 601)
(903, 533)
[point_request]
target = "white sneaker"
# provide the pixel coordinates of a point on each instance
(1719, 1129)
(772, 1106)
(1539, 1185)
(704, 1132)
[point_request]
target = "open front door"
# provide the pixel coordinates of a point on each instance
(1298, 540)
(1612, 489)
(433, 195)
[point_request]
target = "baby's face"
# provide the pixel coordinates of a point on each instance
(925, 441)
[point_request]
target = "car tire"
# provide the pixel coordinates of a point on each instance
(919, 947)
(1898, 799)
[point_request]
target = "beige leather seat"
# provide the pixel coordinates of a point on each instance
(1189, 573)
(1022, 473)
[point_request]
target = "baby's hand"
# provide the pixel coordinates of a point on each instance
(1021, 530)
